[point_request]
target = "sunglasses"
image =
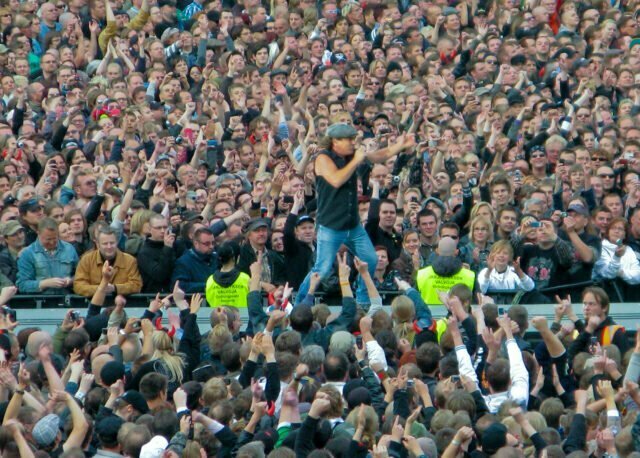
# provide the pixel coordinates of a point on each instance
(606, 175)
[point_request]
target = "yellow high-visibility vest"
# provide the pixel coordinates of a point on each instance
(429, 283)
(234, 295)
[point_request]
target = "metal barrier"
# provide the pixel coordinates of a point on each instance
(40, 301)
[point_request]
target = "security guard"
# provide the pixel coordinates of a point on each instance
(445, 272)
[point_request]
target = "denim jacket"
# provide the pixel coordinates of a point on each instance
(35, 265)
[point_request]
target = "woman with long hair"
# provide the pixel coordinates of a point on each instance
(79, 228)
(174, 359)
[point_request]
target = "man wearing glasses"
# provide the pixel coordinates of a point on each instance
(197, 264)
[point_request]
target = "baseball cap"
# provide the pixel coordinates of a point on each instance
(10, 228)
(191, 216)
(436, 201)
(579, 63)
(305, 219)
(578, 208)
(135, 400)
(31, 205)
(154, 448)
(107, 429)
(46, 430)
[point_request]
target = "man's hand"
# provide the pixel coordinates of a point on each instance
(505, 324)
(606, 441)
(314, 281)
(86, 382)
(120, 301)
(581, 397)
(605, 389)
(256, 267)
(169, 239)
(180, 399)
(147, 328)
(178, 293)
(112, 336)
(401, 284)
(397, 430)
(53, 283)
(117, 389)
(44, 352)
(275, 319)
(540, 323)
(593, 323)
(196, 302)
(185, 424)
(343, 268)
(267, 348)
(319, 407)
(412, 445)
(107, 272)
(24, 377)
(361, 266)
(365, 324)
(490, 340)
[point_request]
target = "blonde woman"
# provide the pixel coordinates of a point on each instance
(476, 251)
(166, 359)
(403, 312)
(138, 231)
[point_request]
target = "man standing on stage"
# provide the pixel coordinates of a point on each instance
(337, 218)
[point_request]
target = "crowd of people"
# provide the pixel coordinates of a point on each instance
(266, 159)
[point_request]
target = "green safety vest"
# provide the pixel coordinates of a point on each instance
(234, 295)
(429, 283)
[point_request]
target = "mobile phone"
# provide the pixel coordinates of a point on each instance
(414, 199)
(619, 242)
(104, 331)
(74, 316)
(410, 383)
(564, 215)
(19, 178)
(535, 224)
(500, 311)
(455, 378)
(117, 180)
(359, 342)
(287, 199)
(136, 326)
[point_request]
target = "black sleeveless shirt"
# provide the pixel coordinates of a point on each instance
(337, 207)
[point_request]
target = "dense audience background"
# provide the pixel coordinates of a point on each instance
(169, 148)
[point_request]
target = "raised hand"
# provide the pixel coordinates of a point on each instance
(343, 268)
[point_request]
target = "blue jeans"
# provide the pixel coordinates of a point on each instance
(329, 242)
